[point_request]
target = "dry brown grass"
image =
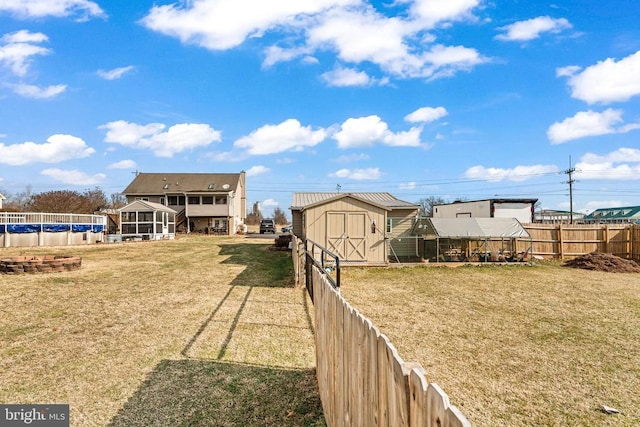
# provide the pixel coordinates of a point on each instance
(196, 331)
(514, 346)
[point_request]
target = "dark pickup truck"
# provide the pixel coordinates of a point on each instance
(267, 226)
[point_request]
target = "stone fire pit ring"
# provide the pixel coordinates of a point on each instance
(39, 264)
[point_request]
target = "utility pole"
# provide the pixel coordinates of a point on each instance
(570, 172)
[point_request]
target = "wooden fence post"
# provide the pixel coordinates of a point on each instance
(561, 241)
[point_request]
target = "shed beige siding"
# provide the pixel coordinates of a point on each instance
(403, 245)
(344, 226)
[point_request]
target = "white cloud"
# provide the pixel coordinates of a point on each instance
(366, 36)
(275, 54)
(357, 174)
(270, 203)
(519, 173)
(352, 158)
(567, 71)
(31, 91)
(430, 12)
(115, 73)
(343, 77)
(289, 135)
(532, 28)
(123, 164)
(353, 29)
(605, 82)
(444, 61)
(367, 131)
(589, 123)
(56, 8)
(618, 156)
(257, 170)
(224, 24)
(74, 177)
(176, 139)
(593, 205)
(407, 186)
(58, 148)
(622, 164)
(18, 49)
(426, 115)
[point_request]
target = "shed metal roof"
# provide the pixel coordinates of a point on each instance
(385, 200)
(162, 183)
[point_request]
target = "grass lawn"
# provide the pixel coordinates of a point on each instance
(196, 331)
(537, 345)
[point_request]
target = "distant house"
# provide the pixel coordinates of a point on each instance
(624, 215)
(204, 202)
(550, 216)
(520, 209)
(360, 228)
(1, 199)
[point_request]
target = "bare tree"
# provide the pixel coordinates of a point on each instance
(279, 216)
(426, 205)
(117, 200)
(253, 219)
(18, 202)
(67, 201)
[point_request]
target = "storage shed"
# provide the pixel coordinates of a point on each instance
(353, 226)
(147, 221)
(474, 239)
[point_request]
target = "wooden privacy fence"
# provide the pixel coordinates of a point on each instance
(568, 241)
(361, 378)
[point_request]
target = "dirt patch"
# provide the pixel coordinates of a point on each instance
(604, 262)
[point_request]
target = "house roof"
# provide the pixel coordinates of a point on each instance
(385, 201)
(479, 228)
(162, 183)
(623, 213)
(139, 205)
(532, 201)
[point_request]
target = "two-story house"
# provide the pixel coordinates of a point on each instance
(204, 202)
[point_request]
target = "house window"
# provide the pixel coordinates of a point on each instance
(221, 200)
(176, 200)
(207, 200)
(194, 200)
(144, 199)
(162, 200)
(389, 225)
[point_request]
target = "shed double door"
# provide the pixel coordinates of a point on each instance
(346, 235)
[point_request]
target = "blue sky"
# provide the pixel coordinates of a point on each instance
(458, 99)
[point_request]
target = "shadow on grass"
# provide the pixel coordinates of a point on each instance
(265, 268)
(205, 392)
(210, 393)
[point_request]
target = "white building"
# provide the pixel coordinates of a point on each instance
(520, 209)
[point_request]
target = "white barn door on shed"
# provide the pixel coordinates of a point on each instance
(346, 235)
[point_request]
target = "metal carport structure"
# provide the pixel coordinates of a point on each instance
(474, 239)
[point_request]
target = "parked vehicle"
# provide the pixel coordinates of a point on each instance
(287, 228)
(267, 226)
